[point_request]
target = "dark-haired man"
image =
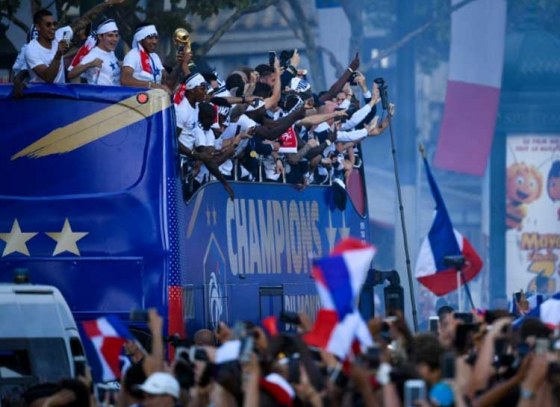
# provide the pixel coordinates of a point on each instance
(143, 68)
(44, 55)
(100, 64)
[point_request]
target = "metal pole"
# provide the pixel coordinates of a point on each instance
(385, 102)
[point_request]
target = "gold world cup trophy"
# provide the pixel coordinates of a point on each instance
(182, 41)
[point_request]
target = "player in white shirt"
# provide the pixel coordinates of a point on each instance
(100, 64)
(44, 55)
(19, 64)
(142, 67)
(187, 113)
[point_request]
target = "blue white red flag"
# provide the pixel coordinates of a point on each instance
(339, 279)
(548, 312)
(103, 341)
(444, 241)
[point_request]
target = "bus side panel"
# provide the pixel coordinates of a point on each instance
(255, 252)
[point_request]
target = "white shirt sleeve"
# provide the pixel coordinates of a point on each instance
(349, 136)
(132, 59)
(356, 118)
(19, 64)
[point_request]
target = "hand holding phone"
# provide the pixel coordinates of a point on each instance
(271, 58)
(414, 390)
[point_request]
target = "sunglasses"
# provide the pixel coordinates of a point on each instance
(50, 24)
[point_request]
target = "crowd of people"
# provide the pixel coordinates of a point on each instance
(253, 124)
(473, 359)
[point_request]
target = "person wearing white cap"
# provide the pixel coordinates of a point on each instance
(160, 390)
(99, 62)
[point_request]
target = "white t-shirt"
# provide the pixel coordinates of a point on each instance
(189, 123)
(110, 72)
(36, 55)
(184, 112)
(204, 138)
(132, 59)
(20, 65)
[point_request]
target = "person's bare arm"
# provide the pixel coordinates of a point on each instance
(153, 362)
(339, 84)
(49, 73)
(80, 69)
(316, 119)
(92, 14)
(277, 91)
(19, 83)
(496, 393)
(127, 79)
(483, 366)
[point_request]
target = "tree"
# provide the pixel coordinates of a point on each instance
(130, 14)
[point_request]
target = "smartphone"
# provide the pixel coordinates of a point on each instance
(66, 37)
(523, 350)
(289, 317)
(448, 365)
(414, 390)
(542, 346)
(197, 353)
(517, 296)
(500, 347)
(246, 349)
(293, 371)
(80, 366)
(434, 323)
(463, 336)
(271, 57)
(139, 315)
(181, 48)
(466, 317)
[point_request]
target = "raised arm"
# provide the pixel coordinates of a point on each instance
(277, 91)
(339, 84)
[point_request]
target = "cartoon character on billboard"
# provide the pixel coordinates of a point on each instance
(553, 183)
(524, 185)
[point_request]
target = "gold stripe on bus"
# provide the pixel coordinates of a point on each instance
(98, 125)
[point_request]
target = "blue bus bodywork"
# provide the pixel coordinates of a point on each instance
(92, 203)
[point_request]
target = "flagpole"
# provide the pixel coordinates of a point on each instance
(385, 103)
(459, 291)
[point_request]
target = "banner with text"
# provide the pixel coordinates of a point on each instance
(533, 213)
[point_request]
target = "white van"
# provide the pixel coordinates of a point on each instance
(39, 340)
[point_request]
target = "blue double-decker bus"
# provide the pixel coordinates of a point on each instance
(92, 203)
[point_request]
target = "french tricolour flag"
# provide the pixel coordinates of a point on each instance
(473, 90)
(548, 312)
(339, 279)
(443, 241)
(103, 340)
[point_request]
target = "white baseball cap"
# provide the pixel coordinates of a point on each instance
(161, 383)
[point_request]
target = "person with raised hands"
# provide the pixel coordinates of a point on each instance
(97, 59)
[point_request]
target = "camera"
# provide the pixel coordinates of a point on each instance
(285, 57)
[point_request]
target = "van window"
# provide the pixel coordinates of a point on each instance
(45, 359)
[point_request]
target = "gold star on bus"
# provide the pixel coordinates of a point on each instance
(66, 239)
(16, 240)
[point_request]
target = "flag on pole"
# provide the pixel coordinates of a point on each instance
(442, 241)
(473, 88)
(103, 340)
(339, 279)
